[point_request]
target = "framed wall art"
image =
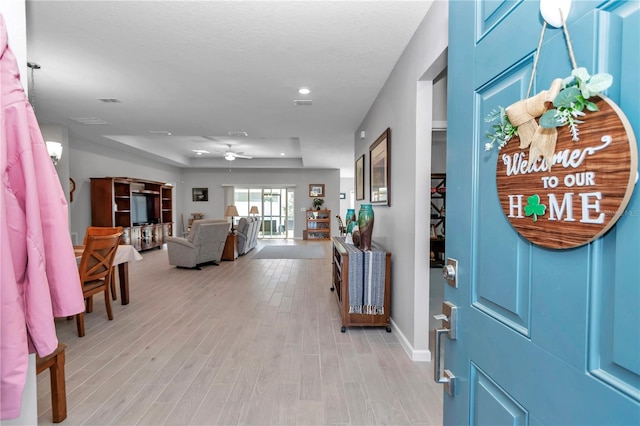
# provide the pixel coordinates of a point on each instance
(316, 190)
(200, 194)
(360, 178)
(379, 170)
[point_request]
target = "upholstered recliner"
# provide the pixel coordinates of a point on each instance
(204, 244)
(248, 228)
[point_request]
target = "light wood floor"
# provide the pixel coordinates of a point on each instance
(254, 341)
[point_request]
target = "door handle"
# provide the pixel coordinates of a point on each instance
(449, 317)
(447, 378)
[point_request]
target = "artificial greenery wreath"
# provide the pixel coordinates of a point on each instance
(569, 105)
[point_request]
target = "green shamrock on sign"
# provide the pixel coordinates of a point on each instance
(534, 207)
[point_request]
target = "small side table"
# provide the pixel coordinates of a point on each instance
(230, 251)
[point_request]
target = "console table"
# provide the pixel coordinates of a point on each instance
(366, 276)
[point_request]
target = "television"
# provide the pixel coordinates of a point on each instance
(141, 210)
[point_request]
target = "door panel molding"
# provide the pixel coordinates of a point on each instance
(614, 348)
(501, 286)
(492, 404)
(490, 14)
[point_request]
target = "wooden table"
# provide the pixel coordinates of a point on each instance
(230, 251)
(124, 254)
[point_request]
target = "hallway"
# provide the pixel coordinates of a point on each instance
(254, 341)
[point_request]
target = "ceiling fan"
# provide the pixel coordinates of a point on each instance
(231, 155)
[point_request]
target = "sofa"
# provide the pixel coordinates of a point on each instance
(204, 245)
(248, 228)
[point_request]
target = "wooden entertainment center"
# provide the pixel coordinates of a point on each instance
(142, 207)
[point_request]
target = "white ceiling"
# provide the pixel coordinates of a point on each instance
(202, 69)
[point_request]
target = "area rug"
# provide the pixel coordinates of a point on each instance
(290, 252)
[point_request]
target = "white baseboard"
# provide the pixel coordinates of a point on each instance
(414, 355)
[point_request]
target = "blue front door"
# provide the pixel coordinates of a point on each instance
(544, 336)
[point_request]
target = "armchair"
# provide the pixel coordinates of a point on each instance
(248, 228)
(204, 244)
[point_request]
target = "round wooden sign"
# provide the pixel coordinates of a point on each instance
(587, 188)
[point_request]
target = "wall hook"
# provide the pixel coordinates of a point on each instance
(550, 11)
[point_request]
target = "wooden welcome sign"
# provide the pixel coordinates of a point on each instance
(586, 189)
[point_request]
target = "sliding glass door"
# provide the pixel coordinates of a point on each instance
(274, 207)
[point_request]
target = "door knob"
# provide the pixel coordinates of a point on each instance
(450, 272)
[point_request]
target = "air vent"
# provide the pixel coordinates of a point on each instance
(160, 132)
(238, 134)
(90, 121)
(303, 102)
(110, 100)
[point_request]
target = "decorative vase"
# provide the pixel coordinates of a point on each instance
(351, 220)
(365, 225)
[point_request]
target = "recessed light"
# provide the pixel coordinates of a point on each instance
(304, 91)
(282, 154)
(200, 151)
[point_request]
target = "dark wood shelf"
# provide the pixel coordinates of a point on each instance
(318, 225)
(112, 205)
(438, 218)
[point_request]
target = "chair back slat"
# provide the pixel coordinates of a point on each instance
(101, 230)
(97, 258)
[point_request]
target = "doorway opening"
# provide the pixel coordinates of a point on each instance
(438, 198)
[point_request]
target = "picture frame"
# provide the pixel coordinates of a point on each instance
(379, 173)
(200, 194)
(360, 178)
(316, 190)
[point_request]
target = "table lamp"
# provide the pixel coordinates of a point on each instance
(254, 210)
(231, 211)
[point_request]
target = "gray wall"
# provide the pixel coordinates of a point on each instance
(405, 104)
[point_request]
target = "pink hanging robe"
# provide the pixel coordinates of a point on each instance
(38, 270)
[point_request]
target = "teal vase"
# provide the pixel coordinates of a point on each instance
(351, 220)
(365, 226)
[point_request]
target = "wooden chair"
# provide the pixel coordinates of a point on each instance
(55, 363)
(103, 230)
(96, 267)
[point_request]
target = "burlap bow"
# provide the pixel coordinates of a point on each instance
(522, 114)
